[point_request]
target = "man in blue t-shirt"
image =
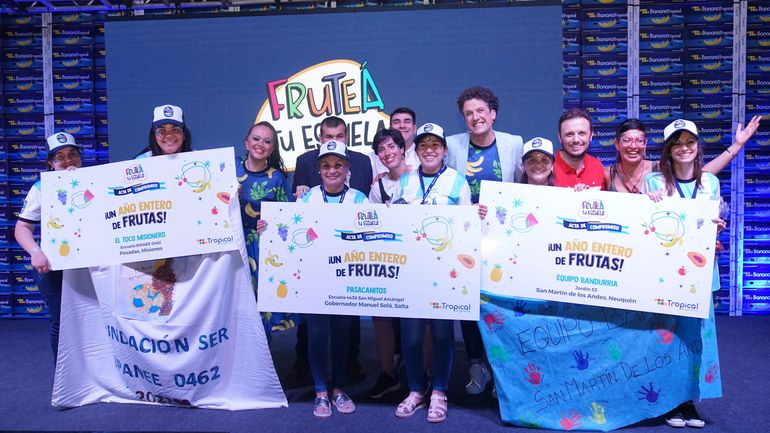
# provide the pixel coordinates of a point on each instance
(481, 154)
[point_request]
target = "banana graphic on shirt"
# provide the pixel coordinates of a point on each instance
(472, 168)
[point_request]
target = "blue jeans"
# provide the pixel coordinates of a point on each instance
(50, 286)
(412, 333)
(321, 329)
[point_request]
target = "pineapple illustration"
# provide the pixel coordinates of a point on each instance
(64, 249)
(497, 274)
(282, 290)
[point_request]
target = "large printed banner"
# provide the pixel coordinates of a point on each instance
(370, 259)
(565, 366)
(180, 331)
(599, 248)
(143, 209)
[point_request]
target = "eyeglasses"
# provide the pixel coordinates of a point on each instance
(169, 130)
(627, 141)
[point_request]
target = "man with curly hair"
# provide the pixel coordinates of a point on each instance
(482, 154)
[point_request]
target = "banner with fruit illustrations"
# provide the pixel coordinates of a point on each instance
(370, 260)
(181, 331)
(166, 206)
(599, 248)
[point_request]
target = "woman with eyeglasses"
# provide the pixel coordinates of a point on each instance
(63, 154)
(168, 133)
(628, 172)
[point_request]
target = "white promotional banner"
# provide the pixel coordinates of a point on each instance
(142, 209)
(180, 331)
(370, 260)
(599, 248)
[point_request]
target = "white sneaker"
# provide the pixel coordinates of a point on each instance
(479, 378)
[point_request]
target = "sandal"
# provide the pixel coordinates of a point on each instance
(344, 403)
(321, 407)
(410, 405)
(438, 408)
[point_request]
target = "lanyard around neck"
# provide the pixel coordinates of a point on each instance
(432, 183)
(681, 193)
(342, 195)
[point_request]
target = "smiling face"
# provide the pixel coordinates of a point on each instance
(404, 123)
(538, 167)
(259, 143)
(478, 117)
(631, 146)
(65, 158)
(430, 151)
(390, 154)
(685, 150)
(170, 138)
(334, 171)
(575, 136)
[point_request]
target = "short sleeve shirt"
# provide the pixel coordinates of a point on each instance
(483, 164)
(352, 195)
(592, 173)
(31, 211)
(450, 188)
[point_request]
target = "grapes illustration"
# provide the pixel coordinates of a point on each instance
(500, 213)
(283, 231)
(62, 196)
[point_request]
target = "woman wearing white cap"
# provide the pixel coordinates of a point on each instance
(628, 172)
(168, 133)
(63, 154)
(682, 175)
(333, 165)
(432, 183)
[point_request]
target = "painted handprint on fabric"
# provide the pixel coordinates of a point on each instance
(614, 351)
(533, 374)
(649, 394)
(494, 318)
(570, 422)
(666, 334)
(712, 373)
(581, 360)
(597, 413)
(520, 308)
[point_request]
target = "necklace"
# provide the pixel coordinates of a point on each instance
(626, 179)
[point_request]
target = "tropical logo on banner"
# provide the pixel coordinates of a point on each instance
(296, 105)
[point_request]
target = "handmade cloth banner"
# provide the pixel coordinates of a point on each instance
(565, 366)
(145, 209)
(181, 331)
(370, 260)
(599, 248)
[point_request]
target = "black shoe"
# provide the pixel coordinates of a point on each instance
(355, 371)
(691, 416)
(384, 385)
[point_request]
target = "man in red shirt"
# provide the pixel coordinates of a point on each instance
(573, 166)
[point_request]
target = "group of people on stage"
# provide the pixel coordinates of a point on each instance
(422, 166)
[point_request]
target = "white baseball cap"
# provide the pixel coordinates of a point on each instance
(679, 125)
(59, 141)
(167, 114)
(430, 129)
(537, 144)
(333, 147)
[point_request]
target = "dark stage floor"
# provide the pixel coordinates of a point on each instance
(26, 378)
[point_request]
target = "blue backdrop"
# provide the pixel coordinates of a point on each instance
(216, 68)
